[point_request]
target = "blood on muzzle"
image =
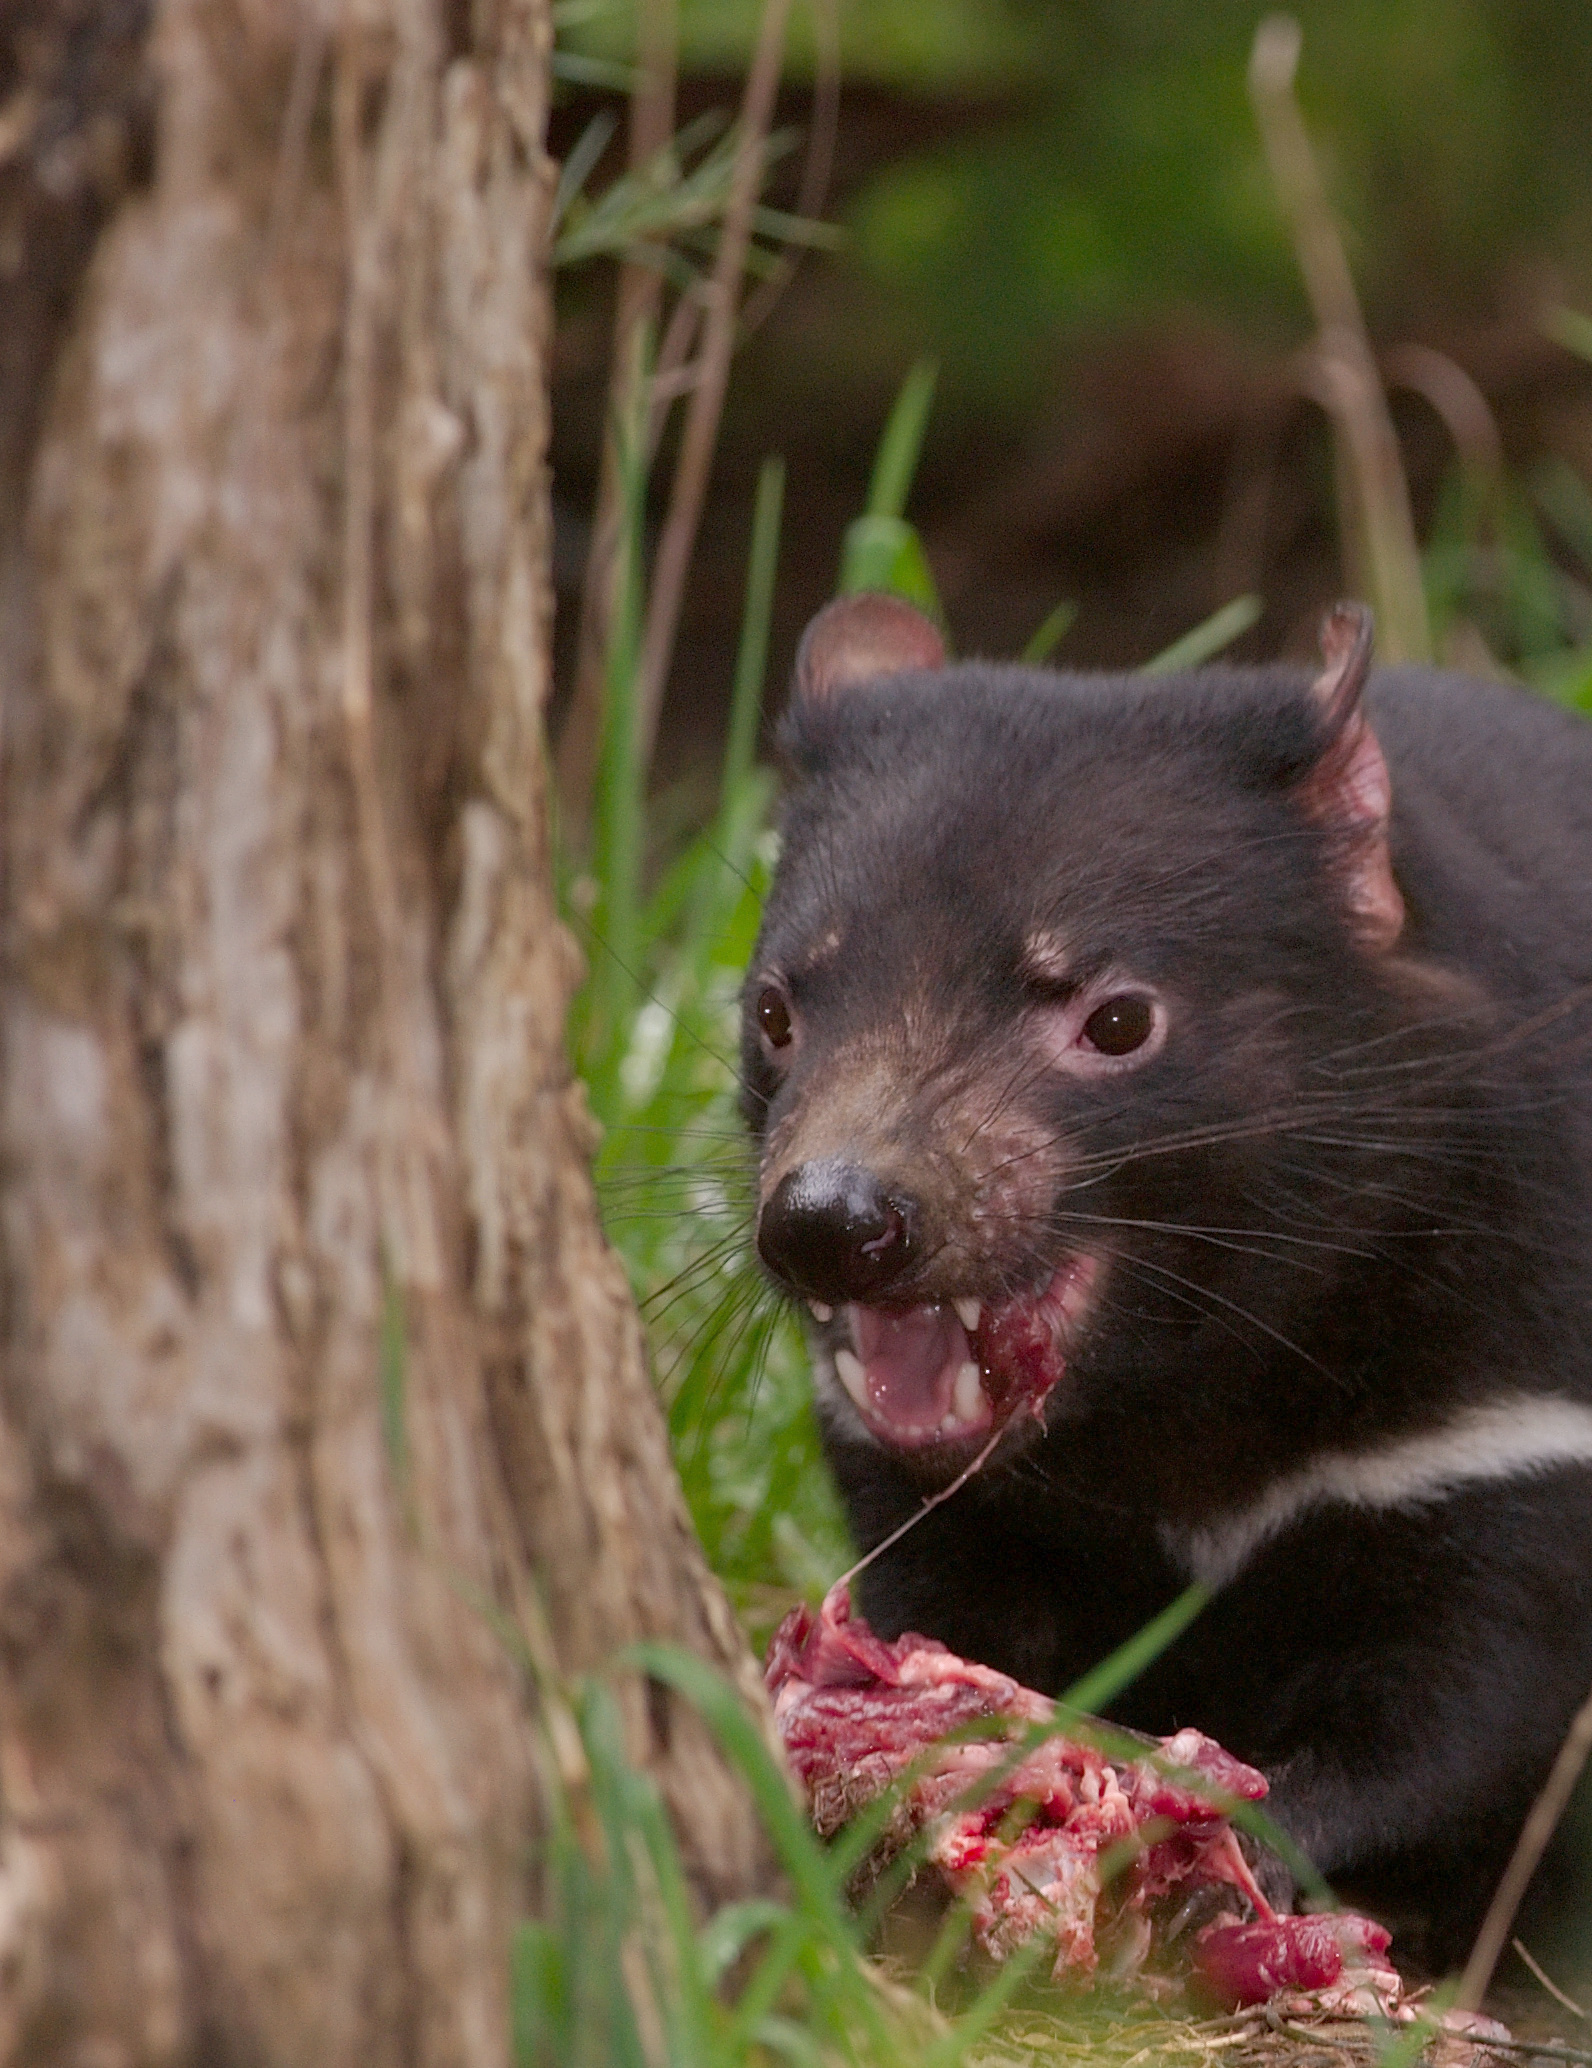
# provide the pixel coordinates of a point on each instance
(831, 1232)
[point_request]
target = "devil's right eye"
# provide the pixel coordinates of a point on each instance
(1120, 1025)
(773, 1016)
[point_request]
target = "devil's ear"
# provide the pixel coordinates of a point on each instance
(1348, 790)
(857, 638)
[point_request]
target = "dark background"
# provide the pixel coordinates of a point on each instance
(1065, 203)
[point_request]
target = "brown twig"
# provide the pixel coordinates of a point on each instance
(652, 109)
(1381, 532)
(1465, 411)
(722, 296)
(1467, 417)
(1548, 1983)
(1538, 1828)
(675, 374)
(820, 161)
(1550, 2049)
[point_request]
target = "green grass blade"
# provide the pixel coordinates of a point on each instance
(976, 2020)
(579, 70)
(819, 1910)
(578, 166)
(805, 230)
(620, 801)
(1570, 328)
(720, 1706)
(393, 1364)
(784, 1950)
(1050, 634)
(538, 1994)
(788, 2041)
(881, 550)
(1567, 678)
(711, 876)
(730, 1930)
(751, 661)
(1128, 1661)
(685, 1999)
(897, 458)
(886, 553)
(1249, 1817)
(1567, 501)
(950, 1942)
(614, 1896)
(1220, 629)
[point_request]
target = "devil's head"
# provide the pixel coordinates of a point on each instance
(1060, 981)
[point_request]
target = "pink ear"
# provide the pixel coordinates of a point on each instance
(1348, 790)
(857, 638)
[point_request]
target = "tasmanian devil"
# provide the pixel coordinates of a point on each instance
(1186, 1081)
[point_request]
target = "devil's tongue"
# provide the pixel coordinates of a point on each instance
(911, 1364)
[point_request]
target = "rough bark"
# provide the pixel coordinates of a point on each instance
(281, 1013)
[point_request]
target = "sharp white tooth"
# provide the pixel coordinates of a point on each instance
(820, 1311)
(852, 1376)
(967, 1397)
(967, 1312)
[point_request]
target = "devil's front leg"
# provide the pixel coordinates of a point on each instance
(1037, 1588)
(1404, 1678)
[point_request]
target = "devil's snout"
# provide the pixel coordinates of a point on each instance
(829, 1230)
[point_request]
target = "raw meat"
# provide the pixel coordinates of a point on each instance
(1101, 1854)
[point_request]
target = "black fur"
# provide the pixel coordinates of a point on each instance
(1349, 1196)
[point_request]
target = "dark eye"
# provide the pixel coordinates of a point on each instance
(773, 1016)
(1120, 1026)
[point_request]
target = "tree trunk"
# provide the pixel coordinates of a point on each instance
(315, 1373)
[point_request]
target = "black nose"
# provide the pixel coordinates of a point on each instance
(831, 1231)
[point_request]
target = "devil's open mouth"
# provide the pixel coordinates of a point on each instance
(953, 1371)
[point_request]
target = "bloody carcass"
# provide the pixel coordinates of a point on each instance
(1041, 1832)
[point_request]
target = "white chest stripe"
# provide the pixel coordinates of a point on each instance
(1502, 1439)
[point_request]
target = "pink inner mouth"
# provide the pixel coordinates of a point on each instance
(920, 1376)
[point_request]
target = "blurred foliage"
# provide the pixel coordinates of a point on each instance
(1118, 177)
(620, 1971)
(1509, 559)
(655, 1034)
(922, 45)
(1453, 139)
(1112, 172)
(881, 550)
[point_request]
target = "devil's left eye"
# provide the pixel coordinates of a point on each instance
(773, 1017)
(1120, 1026)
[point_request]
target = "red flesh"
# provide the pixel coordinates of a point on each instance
(910, 1359)
(855, 1712)
(1248, 1963)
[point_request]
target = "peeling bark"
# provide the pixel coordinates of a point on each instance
(281, 1035)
